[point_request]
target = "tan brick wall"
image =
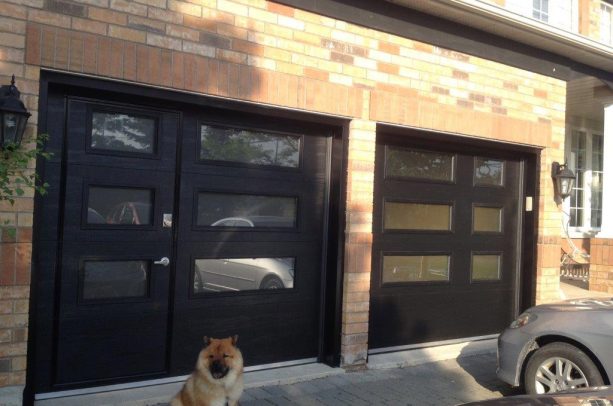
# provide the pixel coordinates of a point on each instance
(358, 234)
(593, 17)
(601, 265)
(260, 51)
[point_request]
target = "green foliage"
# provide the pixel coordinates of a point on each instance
(15, 177)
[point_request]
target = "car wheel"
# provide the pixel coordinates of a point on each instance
(271, 282)
(560, 366)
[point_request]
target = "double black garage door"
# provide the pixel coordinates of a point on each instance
(177, 224)
(172, 224)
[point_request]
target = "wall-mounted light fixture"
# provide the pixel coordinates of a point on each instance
(13, 116)
(564, 180)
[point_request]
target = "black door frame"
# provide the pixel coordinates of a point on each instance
(47, 234)
(530, 157)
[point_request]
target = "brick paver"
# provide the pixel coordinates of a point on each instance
(451, 382)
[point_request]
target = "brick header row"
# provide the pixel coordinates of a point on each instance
(119, 59)
(122, 59)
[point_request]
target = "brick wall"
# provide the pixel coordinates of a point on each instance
(593, 17)
(601, 265)
(264, 52)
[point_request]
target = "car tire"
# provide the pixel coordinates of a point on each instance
(543, 375)
(271, 282)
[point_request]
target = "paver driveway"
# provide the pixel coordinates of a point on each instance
(451, 382)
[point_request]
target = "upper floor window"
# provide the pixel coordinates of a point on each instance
(586, 156)
(540, 10)
(559, 14)
(606, 23)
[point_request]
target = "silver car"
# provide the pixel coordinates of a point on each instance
(599, 396)
(559, 346)
(235, 274)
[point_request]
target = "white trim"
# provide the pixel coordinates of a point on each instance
(500, 21)
(606, 228)
(161, 381)
(579, 232)
(431, 344)
(281, 364)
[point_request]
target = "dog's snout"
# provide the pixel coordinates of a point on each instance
(218, 369)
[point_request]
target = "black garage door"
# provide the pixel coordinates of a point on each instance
(180, 224)
(446, 238)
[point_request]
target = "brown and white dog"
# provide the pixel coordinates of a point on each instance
(218, 377)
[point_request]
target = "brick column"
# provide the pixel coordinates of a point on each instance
(601, 265)
(358, 246)
(548, 269)
(16, 219)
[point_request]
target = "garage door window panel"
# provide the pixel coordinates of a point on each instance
(486, 266)
(417, 216)
(122, 132)
(245, 211)
(232, 145)
(119, 207)
(415, 164)
(487, 219)
(112, 280)
(430, 267)
(242, 274)
(488, 172)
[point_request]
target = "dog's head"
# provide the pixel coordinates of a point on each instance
(221, 356)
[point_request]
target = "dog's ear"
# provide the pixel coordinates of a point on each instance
(234, 339)
(207, 340)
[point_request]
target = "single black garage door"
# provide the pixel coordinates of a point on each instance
(446, 238)
(182, 223)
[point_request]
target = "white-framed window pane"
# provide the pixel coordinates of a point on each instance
(578, 166)
(540, 10)
(606, 26)
(586, 161)
(597, 178)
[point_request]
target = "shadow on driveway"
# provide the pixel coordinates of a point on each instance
(483, 370)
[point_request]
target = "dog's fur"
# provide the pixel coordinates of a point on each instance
(218, 377)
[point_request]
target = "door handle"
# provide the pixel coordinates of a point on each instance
(164, 261)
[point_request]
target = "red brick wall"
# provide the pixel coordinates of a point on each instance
(601, 265)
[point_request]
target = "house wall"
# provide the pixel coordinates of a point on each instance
(601, 265)
(260, 51)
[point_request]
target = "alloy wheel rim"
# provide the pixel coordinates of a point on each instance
(558, 374)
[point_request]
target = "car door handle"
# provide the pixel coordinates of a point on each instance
(164, 261)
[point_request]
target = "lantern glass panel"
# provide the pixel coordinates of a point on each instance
(10, 126)
(13, 127)
(566, 185)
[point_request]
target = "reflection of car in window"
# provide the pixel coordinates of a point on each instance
(130, 213)
(93, 217)
(235, 274)
(233, 222)
(255, 221)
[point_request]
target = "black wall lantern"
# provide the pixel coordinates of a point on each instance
(564, 179)
(13, 116)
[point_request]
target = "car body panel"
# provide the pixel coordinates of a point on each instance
(236, 274)
(588, 322)
(580, 397)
